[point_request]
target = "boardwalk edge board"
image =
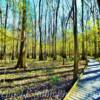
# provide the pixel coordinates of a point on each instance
(75, 85)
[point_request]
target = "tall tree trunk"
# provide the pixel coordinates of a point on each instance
(75, 40)
(40, 20)
(22, 55)
(14, 16)
(18, 35)
(86, 35)
(83, 45)
(95, 37)
(1, 50)
(45, 51)
(98, 1)
(6, 17)
(63, 37)
(98, 25)
(34, 36)
(55, 30)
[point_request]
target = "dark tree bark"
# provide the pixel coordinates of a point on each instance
(86, 34)
(98, 1)
(63, 52)
(40, 31)
(49, 41)
(83, 44)
(75, 40)
(55, 30)
(1, 49)
(45, 51)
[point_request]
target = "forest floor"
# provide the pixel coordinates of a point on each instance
(42, 80)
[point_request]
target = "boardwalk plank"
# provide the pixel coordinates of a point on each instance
(88, 86)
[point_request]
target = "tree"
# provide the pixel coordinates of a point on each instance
(83, 44)
(21, 63)
(45, 51)
(63, 54)
(99, 4)
(75, 39)
(40, 31)
(1, 51)
(6, 17)
(95, 37)
(34, 36)
(55, 23)
(14, 16)
(98, 26)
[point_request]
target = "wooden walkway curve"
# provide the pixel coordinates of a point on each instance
(87, 87)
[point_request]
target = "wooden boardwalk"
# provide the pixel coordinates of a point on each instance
(87, 87)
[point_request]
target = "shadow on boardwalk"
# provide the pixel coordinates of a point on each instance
(88, 86)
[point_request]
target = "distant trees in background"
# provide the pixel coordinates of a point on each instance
(44, 29)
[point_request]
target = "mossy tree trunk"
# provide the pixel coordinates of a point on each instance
(22, 54)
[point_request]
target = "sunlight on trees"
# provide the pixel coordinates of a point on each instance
(48, 33)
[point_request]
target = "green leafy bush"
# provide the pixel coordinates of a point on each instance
(54, 79)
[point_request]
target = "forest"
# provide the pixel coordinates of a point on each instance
(45, 45)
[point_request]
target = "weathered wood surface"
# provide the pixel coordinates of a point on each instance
(88, 85)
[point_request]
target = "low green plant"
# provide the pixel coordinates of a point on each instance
(54, 79)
